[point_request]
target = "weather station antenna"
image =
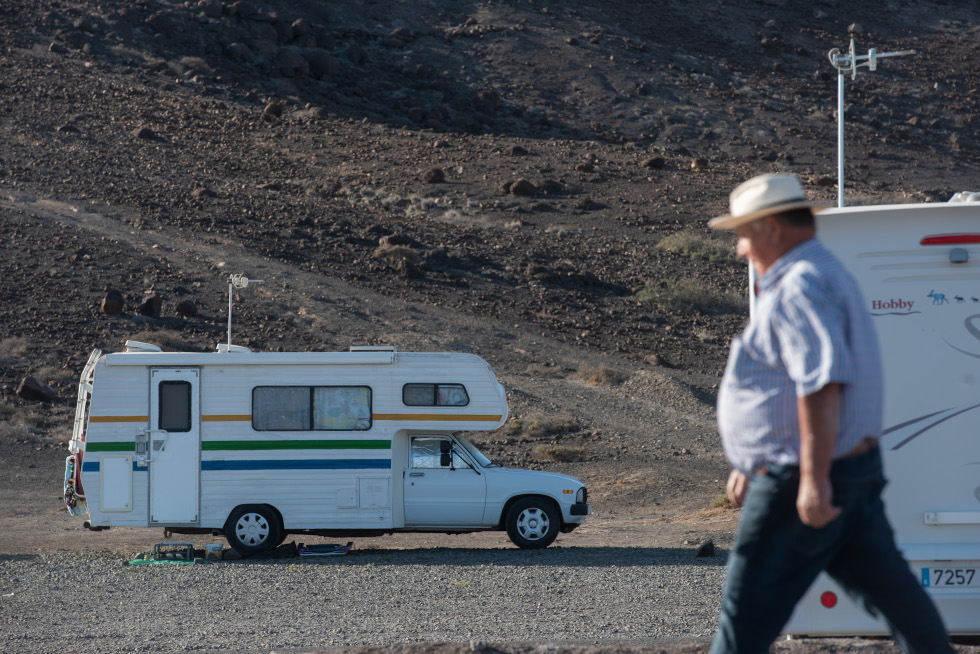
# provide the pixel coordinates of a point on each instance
(238, 280)
(849, 62)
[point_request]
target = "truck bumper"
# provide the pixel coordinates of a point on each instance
(580, 509)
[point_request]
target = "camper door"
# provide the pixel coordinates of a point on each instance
(174, 445)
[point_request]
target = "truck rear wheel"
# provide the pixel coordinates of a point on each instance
(252, 529)
(533, 523)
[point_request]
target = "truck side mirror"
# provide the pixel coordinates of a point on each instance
(445, 456)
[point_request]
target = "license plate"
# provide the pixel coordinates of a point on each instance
(937, 577)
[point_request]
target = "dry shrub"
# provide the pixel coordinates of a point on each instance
(544, 370)
(601, 376)
(169, 341)
(685, 294)
(721, 502)
(693, 245)
(17, 424)
(12, 349)
(539, 426)
(395, 253)
(559, 453)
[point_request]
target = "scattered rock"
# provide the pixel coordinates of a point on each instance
(272, 110)
(705, 549)
(292, 63)
(699, 163)
(151, 305)
(31, 389)
(652, 359)
(656, 163)
(322, 64)
(144, 134)
(585, 168)
(434, 176)
(113, 303)
(521, 187)
(516, 151)
(185, 309)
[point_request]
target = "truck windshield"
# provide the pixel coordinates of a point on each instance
(481, 458)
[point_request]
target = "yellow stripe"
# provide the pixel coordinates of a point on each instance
(436, 416)
(227, 418)
(119, 419)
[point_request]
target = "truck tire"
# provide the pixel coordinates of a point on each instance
(253, 528)
(533, 523)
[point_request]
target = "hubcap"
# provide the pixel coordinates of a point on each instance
(252, 529)
(533, 524)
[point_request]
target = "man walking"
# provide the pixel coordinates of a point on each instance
(799, 412)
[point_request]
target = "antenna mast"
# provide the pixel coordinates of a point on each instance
(850, 62)
(236, 281)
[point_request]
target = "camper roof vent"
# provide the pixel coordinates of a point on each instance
(966, 196)
(137, 346)
(373, 348)
(225, 348)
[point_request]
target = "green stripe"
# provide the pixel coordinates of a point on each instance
(106, 446)
(297, 445)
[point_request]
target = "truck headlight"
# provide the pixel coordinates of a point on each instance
(582, 496)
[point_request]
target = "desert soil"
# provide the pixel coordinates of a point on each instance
(523, 180)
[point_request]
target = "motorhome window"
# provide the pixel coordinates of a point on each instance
(175, 406)
(311, 408)
(342, 407)
(435, 395)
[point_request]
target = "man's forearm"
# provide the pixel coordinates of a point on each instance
(819, 415)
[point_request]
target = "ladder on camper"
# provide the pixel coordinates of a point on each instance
(82, 404)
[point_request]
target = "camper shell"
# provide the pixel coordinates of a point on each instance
(918, 266)
(257, 445)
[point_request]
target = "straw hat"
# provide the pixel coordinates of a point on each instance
(762, 196)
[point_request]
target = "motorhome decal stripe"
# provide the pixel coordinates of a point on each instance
(226, 418)
(106, 446)
(437, 416)
(119, 419)
(302, 464)
(93, 466)
(297, 445)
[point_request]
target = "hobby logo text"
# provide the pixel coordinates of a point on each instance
(879, 305)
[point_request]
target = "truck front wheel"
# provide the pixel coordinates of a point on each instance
(533, 523)
(252, 528)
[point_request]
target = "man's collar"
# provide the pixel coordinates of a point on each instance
(778, 269)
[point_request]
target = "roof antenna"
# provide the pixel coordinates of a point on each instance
(850, 62)
(236, 281)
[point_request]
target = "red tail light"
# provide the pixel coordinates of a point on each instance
(828, 600)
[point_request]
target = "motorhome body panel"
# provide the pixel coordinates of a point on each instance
(919, 271)
(315, 478)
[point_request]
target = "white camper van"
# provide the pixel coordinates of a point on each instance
(919, 270)
(260, 445)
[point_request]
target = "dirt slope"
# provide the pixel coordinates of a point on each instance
(524, 180)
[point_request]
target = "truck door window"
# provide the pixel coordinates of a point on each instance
(175, 406)
(426, 453)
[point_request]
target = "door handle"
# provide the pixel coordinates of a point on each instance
(416, 474)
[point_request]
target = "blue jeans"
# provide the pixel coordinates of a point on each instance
(776, 558)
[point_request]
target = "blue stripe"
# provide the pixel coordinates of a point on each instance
(93, 466)
(274, 464)
(298, 464)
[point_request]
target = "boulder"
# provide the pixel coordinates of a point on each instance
(151, 305)
(31, 389)
(113, 303)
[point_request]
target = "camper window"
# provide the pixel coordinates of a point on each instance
(175, 406)
(435, 395)
(307, 408)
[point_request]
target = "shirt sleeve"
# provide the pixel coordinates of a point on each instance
(810, 327)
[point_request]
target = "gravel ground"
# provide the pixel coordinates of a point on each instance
(560, 595)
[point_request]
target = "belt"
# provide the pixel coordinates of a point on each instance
(867, 444)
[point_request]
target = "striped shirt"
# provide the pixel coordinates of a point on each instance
(810, 328)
